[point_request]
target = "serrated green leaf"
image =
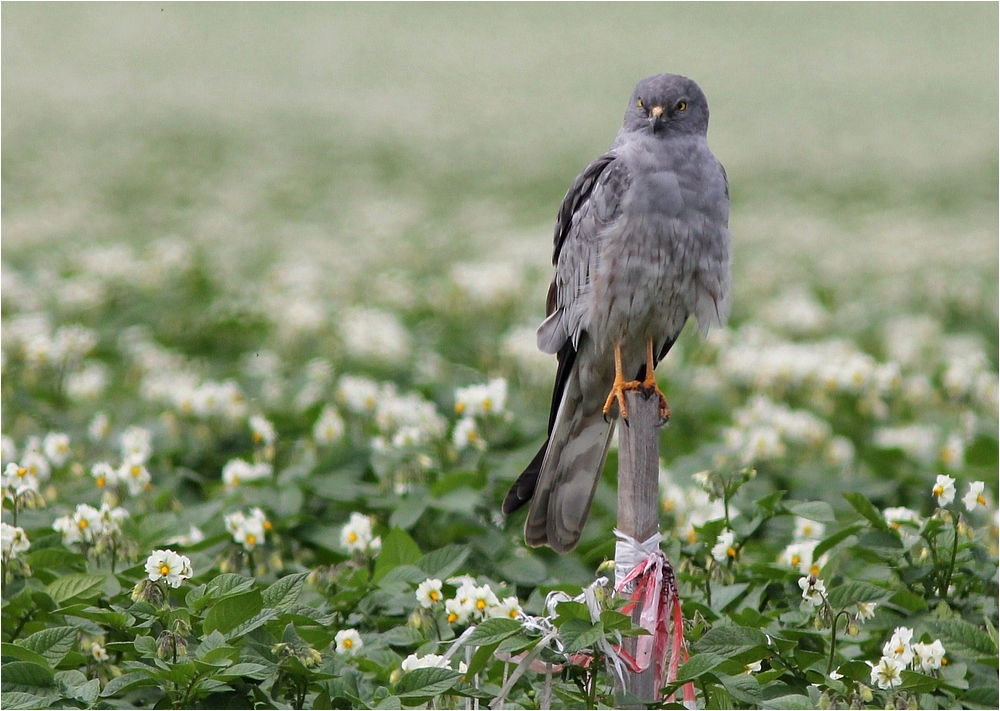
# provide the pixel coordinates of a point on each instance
(228, 584)
(212, 640)
(87, 692)
(516, 643)
(144, 645)
(918, 683)
(493, 631)
(258, 620)
(243, 669)
(791, 702)
(231, 611)
(614, 620)
(426, 682)
(76, 586)
(283, 594)
(864, 507)
(53, 644)
(571, 610)
(855, 591)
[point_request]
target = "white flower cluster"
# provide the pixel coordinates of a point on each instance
(471, 601)
(87, 524)
(248, 530)
(758, 359)
(799, 553)
(329, 428)
(901, 652)
(240, 471)
(32, 334)
(136, 448)
(356, 536)
(488, 282)
(764, 429)
(373, 333)
(34, 467)
(691, 507)
(13, 541)
(169, 566)
(473, 402)
(415, 661)
(923, 443)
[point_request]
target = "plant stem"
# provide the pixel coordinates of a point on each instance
(833, 641)
(943, 593)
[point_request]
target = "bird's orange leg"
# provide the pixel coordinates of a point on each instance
(650, 382)
(619, 387)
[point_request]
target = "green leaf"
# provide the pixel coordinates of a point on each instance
(229, 612)
(855, 591)
(228, 584)
(443, 562)
(27, 674)
(258, 620)
(23, 700)
(243, 669)
(397, 549)
(864, 507)
(76, 586)
(571, 610)
(578, 634)
(8, 649)
(426, 682)
(811, 510)
(730, 640)
(830, 541)
(283, 594)
(403, 637)
(213, 640)
(742, 687)
(144, 645)
(918, 683)
(53, 644)
(87, 692)
(493, 631)
(791, 702)
(407, 514)
(908, 601)
(963, 639)
(697, 665)
(614, 620)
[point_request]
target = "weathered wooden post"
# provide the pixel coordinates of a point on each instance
(638, 505)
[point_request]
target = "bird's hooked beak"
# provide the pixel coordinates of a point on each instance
(656, 117)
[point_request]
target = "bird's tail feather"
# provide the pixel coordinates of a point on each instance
(567, 477)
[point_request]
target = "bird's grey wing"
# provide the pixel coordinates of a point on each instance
(593, 203)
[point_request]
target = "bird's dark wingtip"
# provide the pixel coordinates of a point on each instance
(524, 488)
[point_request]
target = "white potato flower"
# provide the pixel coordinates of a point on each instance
(137, 444)
(723, 549)
(263, 431)
(509, 607)
(808, 530)
(105, 475)
(888, 673)
(944, 490)
(813, 590)
(248, 530)
(348, 642)
(56, 447)
(459, 610)
(99, 653)
(975, 498)
(928, 657)
(429, 592)
(356, 535)
(466, 435)
(169, 566)
(135, 475)
(898, 647)
(239, 471)
(329, 428)
(13, 541)
(85, 525)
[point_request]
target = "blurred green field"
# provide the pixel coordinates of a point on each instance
(857, 137)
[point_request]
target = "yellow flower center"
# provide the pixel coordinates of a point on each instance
(251, 539)
(136, 470)
(236, 480)
(459, 408)
(21, 471)
(452, 617)
(814, 570)
(692, 536)
(480, 604)
(164, 569)
(895, 524)
(268, 526)
(981, 500)
(434, 595)
(352, 537)
(83, 523)
(348, 643)
(731, 552)
(100, 482)
(473, 436)
(487, 405)
(899, 649)
(944, 661)
(513, 613)
(938, 490)
(796, 559)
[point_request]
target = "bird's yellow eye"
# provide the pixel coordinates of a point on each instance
(639, 103)
(682, 105)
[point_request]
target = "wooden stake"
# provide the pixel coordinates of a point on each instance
(638, 506)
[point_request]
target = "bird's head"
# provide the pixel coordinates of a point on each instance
(667, 104)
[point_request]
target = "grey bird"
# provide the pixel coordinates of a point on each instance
(641, 244)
